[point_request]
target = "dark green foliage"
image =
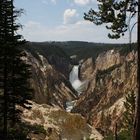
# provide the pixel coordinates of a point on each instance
(22, 130)
(115, 14)
(38, 129)
(123, 135)
(109, 137)
(14, 72)
(86, 49)
(17, 134)
(83, 50)
(46, 49)
(129, 114)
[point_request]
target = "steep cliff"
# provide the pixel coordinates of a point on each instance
(50, 75)
(110, 77)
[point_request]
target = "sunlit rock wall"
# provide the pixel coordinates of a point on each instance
(111, 76)
(59, 124)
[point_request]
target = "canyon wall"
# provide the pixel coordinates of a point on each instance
(50, 84)
(111, 76)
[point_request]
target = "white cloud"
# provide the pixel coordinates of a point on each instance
(70, 16)
(82, 31)
(83, 2)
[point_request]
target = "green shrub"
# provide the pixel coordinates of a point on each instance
(109, 137)
(123, 135)
(38, 129)
(20, 132)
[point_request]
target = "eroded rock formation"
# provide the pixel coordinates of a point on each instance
(59, 124)
(50, 85)
(111, 76)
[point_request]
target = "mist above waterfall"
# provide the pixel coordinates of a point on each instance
(74, 79)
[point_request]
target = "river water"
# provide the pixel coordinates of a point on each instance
(76, 84)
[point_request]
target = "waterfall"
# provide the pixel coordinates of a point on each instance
(74, 78)
(76, 84)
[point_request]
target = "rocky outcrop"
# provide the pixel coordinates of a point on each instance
(50, 86)
(61, 64)
(111, 76)
(59, 124)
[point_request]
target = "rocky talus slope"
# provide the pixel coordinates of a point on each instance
(59, 124)
(110, 77)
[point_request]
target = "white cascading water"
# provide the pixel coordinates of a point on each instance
(74, 79)
(76, 83)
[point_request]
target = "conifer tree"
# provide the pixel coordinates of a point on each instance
(129, 113)
(116, 15)
(14, 72)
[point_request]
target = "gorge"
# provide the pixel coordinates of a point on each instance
(105, 76)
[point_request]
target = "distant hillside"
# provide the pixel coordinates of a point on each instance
(46, 49)
(88, 49)
(81, 49)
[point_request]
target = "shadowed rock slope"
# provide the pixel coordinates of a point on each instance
(49, 82)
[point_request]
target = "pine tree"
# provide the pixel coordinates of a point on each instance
(129, 114)
(14, 72)
(116, 15)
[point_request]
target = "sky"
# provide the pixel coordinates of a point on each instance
(62, 20)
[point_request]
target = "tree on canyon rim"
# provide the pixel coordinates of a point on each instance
(116, 14)
(14, 72)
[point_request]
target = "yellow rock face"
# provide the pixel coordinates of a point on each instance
(60, 125)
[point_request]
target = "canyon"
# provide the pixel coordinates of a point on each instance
(95, 95)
